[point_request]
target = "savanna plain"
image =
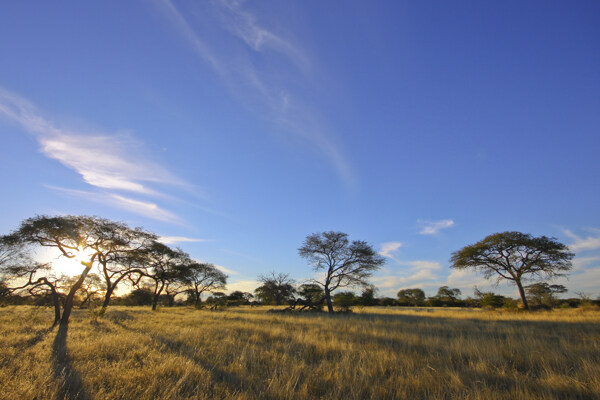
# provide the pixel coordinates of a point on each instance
(250, 353)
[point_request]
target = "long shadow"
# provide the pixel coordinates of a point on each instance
(70, 385)
(233, 381)
(39, 336)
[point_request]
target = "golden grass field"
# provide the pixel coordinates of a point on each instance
(248, 353)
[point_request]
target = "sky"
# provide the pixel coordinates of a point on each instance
(234, 129)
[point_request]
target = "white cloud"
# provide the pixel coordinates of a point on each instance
(388, 248)
(580, 263)
(243, 286)
(433, 227)
(179, 239)
(107, 162)
(583, 244)
(111, 162)
(421, 273)
(148, 209)
(226, 270)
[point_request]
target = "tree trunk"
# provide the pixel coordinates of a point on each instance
(64, 321)
(156, 296)
(56, 302)
(522, 294)
(109, 291)
(328, 299)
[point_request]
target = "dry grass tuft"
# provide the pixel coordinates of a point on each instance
(247, 353)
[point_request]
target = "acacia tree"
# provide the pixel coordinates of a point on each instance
(275, 288)
(516, 257)
(414, 296)
(117, 257)
(162, 265)
(344, 263)
(311, 293)
(26, 277)
(73, 236)
(203, 277)
(544, 294)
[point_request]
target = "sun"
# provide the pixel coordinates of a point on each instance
(69, 266)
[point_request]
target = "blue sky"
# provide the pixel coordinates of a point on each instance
(236, 128)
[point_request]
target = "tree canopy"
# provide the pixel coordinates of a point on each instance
(344, 263)
(275, 289)
(516, 257)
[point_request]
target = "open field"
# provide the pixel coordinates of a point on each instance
(247, 353)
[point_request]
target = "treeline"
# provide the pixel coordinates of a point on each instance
(156, 273)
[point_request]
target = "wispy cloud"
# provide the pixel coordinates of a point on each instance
(107, 162)
(244, 44)
(389, 248)
(226, 270)
(244, 25)
(111, 162)
(434, 227)
(145, 208)
(179, 239)
(421, 273)
(583, 244)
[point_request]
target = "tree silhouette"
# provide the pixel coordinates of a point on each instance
(344, 263)
(516, 257)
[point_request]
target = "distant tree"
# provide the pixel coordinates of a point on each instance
(178, 284)
(311, 293)
(163, 265)
(447, 296)
(367, 297)
(387, 302)
(413, 297)
(543, 294)
(238, 297)
(344, 300)
(140, 296)
(203, 277)
(217, 299)
(275, 289)
(344, 263)
(516, 257)
(122, 247)
(489, 299)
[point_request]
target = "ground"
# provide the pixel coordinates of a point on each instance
(249, 353)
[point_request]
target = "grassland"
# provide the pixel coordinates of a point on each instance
(248, 353)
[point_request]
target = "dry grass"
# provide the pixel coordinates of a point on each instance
(247, 353)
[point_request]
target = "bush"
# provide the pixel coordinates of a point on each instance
(491, 300)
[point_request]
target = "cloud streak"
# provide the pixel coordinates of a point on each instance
(388, 248)
(110, 162)
(179, 239)
(243, 46)
(434, 227)
(583, 244)
(145, 208)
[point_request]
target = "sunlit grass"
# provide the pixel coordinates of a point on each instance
(247, 353)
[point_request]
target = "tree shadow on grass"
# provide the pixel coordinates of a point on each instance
(70, 385)
(39, 336)
(235, 383)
